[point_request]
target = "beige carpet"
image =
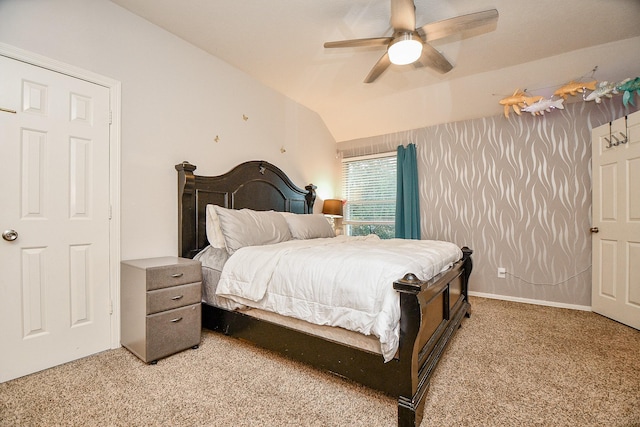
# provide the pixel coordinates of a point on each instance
(510, 365)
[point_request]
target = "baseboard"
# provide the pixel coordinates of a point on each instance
(531, 301)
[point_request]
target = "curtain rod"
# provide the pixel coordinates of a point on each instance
(368, 157)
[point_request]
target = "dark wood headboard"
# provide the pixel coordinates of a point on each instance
(256, 185)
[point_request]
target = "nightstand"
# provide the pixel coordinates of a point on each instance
(160, 306)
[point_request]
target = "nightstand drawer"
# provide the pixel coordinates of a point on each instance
(173, 297)
(172, 275)
(171, 331)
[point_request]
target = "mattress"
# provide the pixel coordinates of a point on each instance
(342, 282)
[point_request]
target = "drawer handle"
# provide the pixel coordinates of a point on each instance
(176, 275)
(177, 297)
(176, 320)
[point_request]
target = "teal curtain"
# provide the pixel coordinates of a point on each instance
(407, 194)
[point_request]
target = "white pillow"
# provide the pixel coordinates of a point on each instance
(246, 227)
(309, 226)
(214, 233)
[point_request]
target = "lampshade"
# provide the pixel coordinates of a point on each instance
(405, 49)
(332, 208)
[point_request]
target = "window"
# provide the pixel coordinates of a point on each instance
(369, 186)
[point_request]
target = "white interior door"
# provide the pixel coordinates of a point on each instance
(616, 214)
(54, 290)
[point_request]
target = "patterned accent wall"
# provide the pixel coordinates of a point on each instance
(517, 191)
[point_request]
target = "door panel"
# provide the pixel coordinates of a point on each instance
(633, 195)
(609, 205)
(634, 274)
(54, 291)
(608, 263)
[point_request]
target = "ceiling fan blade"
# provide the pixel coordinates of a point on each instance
(403, 15)
(447, 27)
(377, 41)
(380, 67)
(432, 58)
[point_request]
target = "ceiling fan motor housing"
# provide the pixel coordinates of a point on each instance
(405, 48)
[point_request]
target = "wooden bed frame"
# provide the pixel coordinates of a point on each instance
(431, 311)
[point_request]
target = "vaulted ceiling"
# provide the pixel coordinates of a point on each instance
(538, 45)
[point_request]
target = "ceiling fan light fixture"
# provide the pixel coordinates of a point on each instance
(405, 49)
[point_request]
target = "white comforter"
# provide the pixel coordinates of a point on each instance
(341, 281)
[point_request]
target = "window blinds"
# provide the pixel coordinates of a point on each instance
(369, 186)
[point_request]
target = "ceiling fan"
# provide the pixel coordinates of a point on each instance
(410, 45)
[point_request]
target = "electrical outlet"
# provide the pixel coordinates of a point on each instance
(502, 272)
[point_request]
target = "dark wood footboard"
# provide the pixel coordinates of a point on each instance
(431, 312)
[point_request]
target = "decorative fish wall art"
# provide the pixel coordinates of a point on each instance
(572, 88)
(538, 108)
(517, 101)
(602, 89)
(538, 105)
(628, 87)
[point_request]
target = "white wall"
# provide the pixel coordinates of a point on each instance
(175, 100)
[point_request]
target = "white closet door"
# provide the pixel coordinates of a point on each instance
(54, 290)
(616, 215)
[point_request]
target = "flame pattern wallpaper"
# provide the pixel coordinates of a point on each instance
(517, 191)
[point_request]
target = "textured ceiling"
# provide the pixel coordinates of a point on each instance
(537, 45)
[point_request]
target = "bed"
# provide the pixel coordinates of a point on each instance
(430, 311)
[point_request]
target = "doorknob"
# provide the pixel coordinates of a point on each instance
(9, 235)
(594, 229)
